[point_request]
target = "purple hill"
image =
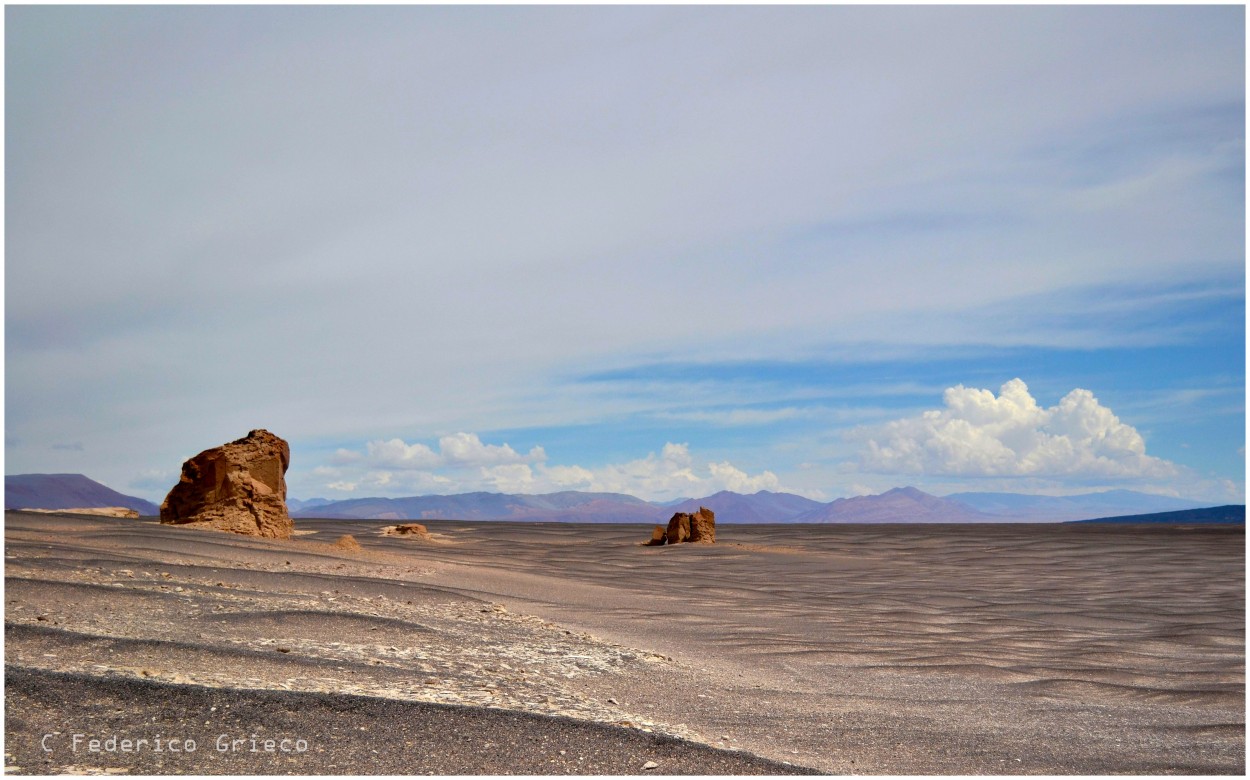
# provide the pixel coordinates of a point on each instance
(66, 491)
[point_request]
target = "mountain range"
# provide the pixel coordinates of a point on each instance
(66, 491)
(900, 505)
(567, 506)
(1051, 508)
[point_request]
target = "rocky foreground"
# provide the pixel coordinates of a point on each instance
(873, 650)
(140, 631)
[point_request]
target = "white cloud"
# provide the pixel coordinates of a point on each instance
(468, 449)
(569, 477)
(1009, 435)
(397, 454)
(455, 450)
(674, 472)
(662, 193)
(737, 480)
(464, 463)
(510, 478)
(670, 474)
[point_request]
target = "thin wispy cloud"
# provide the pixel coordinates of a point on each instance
(394, 224)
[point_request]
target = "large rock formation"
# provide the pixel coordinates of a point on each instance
(686, 527)
(238, 487)
(678, 528)
(703, 526)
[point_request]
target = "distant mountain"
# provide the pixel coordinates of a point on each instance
(1223, 515)
(761, 507)
(293, 504)
(566, 506)
(66, 491)
(900, 505)
(1017, 506)
(673, 501)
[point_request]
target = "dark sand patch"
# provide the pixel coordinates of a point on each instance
(339, 734)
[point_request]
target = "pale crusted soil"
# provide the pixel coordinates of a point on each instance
(908, 649)
(131, 600)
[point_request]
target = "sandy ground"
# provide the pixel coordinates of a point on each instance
(846, 649)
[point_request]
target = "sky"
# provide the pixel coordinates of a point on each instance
(656, 250)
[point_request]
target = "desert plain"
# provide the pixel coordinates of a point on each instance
(498, 648)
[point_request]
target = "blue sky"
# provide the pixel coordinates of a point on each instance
(656, 250)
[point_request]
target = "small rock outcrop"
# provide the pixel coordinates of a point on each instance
(238, 487)
(99, 511)
(685, 527)
(415, 530)
(348, 542)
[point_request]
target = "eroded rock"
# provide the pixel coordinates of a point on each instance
(348, 542)
(415, 530)
(686, 527)
(238, 487)
(679, 528)
(703, 526)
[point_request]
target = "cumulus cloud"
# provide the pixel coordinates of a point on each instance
(1009, 435)
(510, 478)
(569, 477)
(672, 473)
(456, 450)
(732, 478)
(396, 453)
(463, 463)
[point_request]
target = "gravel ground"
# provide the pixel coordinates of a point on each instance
(851, 650)
(322, 734)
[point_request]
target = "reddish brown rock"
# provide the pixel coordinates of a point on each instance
(703, 526)
(348, 542)
(684, 527)
(408, 529)
(238, 487)
(678, 528)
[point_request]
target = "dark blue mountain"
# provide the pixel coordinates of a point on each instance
(1231, 514)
